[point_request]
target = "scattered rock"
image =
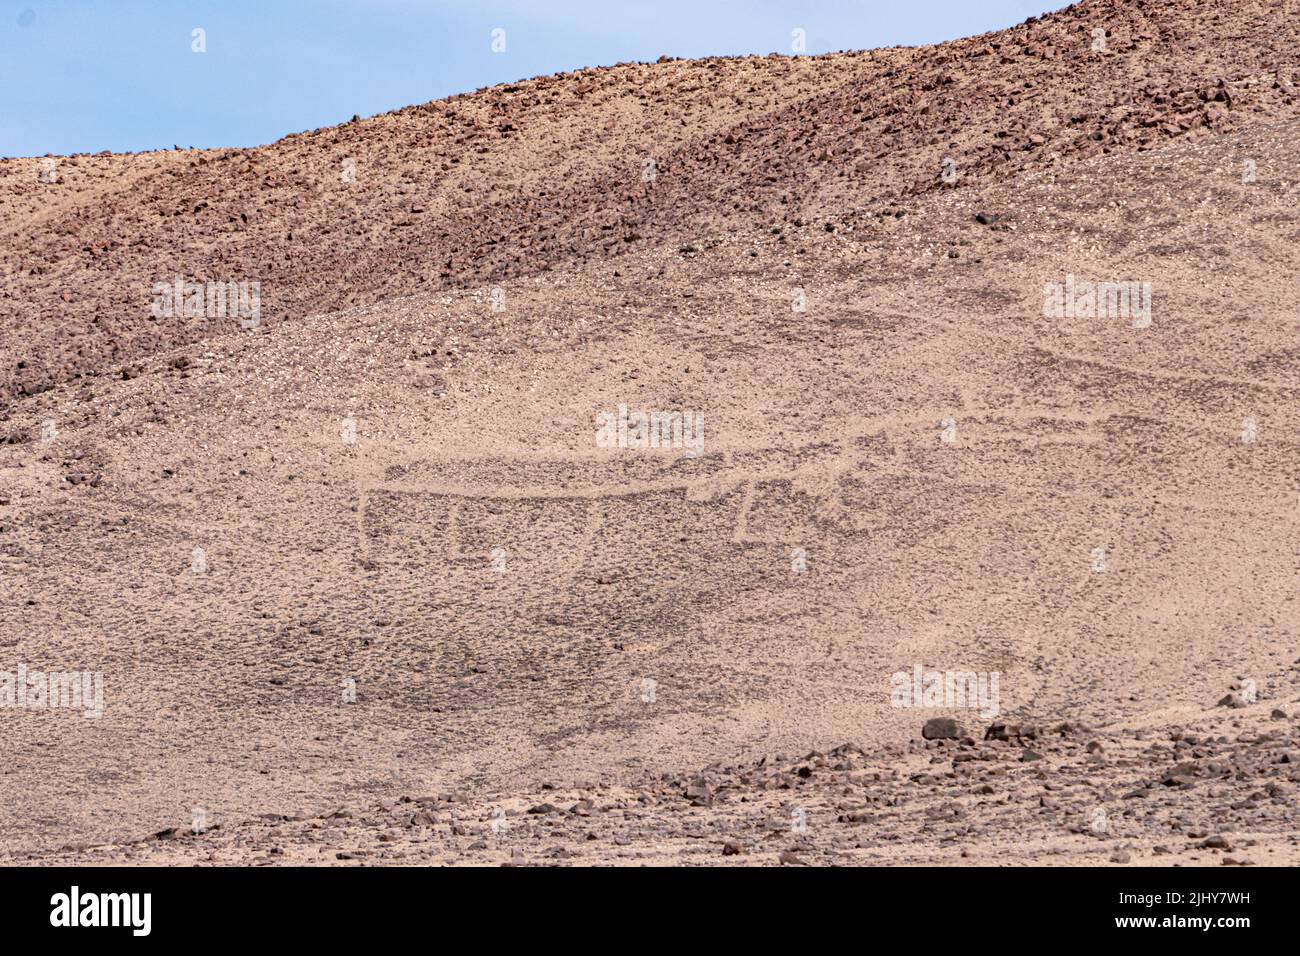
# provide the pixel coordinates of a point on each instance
(1180, 775)
(1007, 732)
(700, 793)
(941, 728)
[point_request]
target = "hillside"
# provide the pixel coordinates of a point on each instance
(918, 468)
(548, 174)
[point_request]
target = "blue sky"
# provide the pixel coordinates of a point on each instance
(86, 75)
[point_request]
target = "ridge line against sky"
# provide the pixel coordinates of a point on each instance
(90, 75)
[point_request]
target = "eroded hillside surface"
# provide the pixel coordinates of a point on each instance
(365, 582)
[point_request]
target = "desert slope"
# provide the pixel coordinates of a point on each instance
(917, 469)
(374, 561)
(548, 173)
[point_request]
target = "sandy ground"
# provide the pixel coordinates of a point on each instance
(364, 585)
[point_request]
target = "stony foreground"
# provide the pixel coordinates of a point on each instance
(1219, 791)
